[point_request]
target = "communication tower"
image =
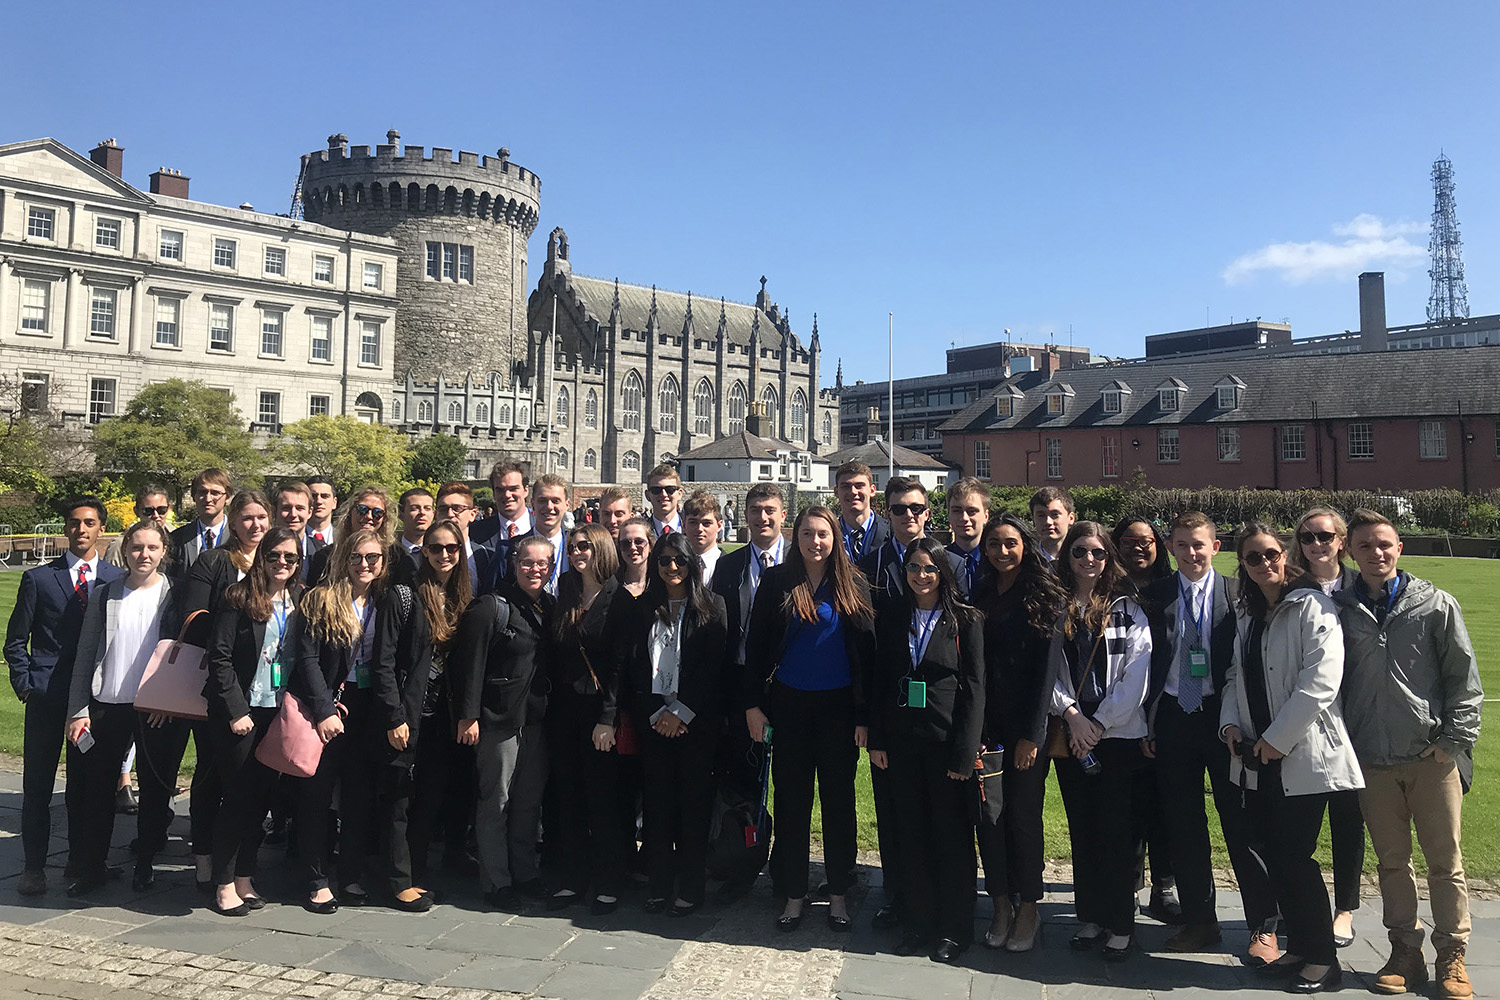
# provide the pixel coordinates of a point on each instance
(1450, 294)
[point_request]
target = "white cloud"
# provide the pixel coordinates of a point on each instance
(1368, 244)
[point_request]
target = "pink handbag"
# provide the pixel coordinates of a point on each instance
(174, 679)
(291, 744)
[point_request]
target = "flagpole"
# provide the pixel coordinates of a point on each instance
(891, 398)
(551, 377)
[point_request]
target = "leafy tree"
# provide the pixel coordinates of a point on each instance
(347, 450)
(440, 457)
(173, 430)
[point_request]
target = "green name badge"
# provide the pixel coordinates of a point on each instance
(1198, 662)
(276, 674)
(362, 675)
(916, 694)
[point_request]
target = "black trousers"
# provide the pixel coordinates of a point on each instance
(886, 822)
(92, 780)
(1098, 808)
(935, 819)
(1187, 745)
(158, 755)
(393, 794)
(249, 784)
(1010, 844)
(678, 801)
(1153, 842)
(588, 834)
(813, 739)
(41, 749)
(1346, 828)
(1289, 826)
(737, 774)
(443, 784)
(348, 766)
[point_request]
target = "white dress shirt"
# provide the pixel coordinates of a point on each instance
(707, 561)
(91, 569)
(1200, 607)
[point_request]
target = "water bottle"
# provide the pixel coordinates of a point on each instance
(1090, 764)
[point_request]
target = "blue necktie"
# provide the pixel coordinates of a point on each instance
(1189, 688)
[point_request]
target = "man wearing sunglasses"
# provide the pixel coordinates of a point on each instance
(664, 493)
(151, 504)
(1192, 635)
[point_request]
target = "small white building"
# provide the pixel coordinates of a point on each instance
(929, 471)
(750, 458)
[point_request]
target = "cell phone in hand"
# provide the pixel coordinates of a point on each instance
(85, 741)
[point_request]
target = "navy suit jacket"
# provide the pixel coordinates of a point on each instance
(879, 533)
(41, 641)
(729, 576)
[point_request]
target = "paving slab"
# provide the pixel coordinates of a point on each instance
(295, 920)
(190, 934)
(505, 940)
(392, 928)
(594, 982)
(278, 948)
(914, 978)
(391, 961)
(508, 975)
(33, 910)
(620, 950)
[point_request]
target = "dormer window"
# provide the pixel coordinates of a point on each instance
(1228, 397)
(1002, 406)
(1169, 400)
(1112, 401)
(1056, 403)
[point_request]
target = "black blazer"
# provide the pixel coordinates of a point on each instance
(952, 667)
(402, 665)
(1161, 600)
(187, 544)
(1017, 670)
(404, 564)
(700, 683)
(234, 645)
(599, 634)
(880, 533)
(770, 626)
(729, 576)
(319, 670)
(41, 640)
(498, 664)
(887, 574)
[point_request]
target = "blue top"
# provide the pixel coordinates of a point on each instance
(815, 658)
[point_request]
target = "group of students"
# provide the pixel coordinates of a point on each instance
(493, 680)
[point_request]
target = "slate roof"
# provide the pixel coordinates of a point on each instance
(1382, 384)
(742, 445)
(597, 296)
(877, 454)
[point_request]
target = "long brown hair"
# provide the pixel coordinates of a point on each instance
(243, 499)
(604, 564)
(1252, 600)
(444, 603)
(252, 595)
(1042, 596)
(329, 607)
(849, 598)
(1112, 580)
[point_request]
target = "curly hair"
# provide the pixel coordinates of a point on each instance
(1042, 596)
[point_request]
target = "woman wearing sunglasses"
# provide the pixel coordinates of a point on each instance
(1021, 599)
(580, 724)
(335, 679)
(807, 661)
(1317, 560)
(927, 709)
(443, 592)
(672, 670)
(249, 660)
(1290, 749)
(1101, 657)
(368, 509)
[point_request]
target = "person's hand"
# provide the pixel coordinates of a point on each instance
(21, 696)
(468, 731)
(604, 738)
(157, 719)
(1083, 733)
(861, 736)
(330, 727)
(1266, 752)
(242, 725)
(669, 725)
(879, 759)
(1148, 747)
(956, 776)
(76, 728)
(1024, 755)
(1438, 754)
(1232, 737)
(756, 720)
(399, 736)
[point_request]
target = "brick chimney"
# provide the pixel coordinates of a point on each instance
(874, 426)
(170, 183)
(110, 155)
(755, 419)
(1051, 363)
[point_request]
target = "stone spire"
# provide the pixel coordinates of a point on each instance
(614, 307)
(689, 332)
(651, 316)
(723, 321)
(814, 342)
(838, 378)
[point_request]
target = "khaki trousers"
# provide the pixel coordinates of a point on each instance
(1425, 794)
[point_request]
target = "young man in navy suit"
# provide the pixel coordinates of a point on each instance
(511, 519)
(968, 513)
(863, 531)
(40, 644)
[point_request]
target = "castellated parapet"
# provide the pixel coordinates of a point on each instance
(461, 225)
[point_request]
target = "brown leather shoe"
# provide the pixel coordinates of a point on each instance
(1452, 978)
(1196, 938)
(1405, 970)
(1263, 948)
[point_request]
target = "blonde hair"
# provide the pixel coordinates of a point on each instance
(329, 607)
(1296, 562)
(387, 529)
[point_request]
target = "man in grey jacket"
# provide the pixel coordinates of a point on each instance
(1411, 700)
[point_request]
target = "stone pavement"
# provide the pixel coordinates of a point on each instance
(165, 943)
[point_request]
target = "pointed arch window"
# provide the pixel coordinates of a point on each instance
(773, 411)
(630, 462)
(562, 458)
(455, 411)
(737, 408)
(703, 408)
(666, 402)
(482, 414)
(799, 416)
(828, 428)
(591, 409)
(561, 410)
(631, 395)
(396, 409)
(424, 412)
(505, 414)
(591, 459)
(523, 416)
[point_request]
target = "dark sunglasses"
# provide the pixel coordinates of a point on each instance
(147, 511)
(914, 509)
(368, 558)
(1309, 537)
(374, 513)
(1269, 556)
(635, 543)
(1079, 551)
(921, 569)
(289, 558)
(580, 547)
(669, 561)
(668, 490)
(440, 549)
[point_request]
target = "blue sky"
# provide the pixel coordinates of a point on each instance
(1110, 169)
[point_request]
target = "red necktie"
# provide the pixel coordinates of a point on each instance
(81, 588)
(318, 535)
(666, 529)
(510, 532)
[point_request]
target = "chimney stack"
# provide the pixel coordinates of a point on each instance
(1051, 362)
(170, 183)
(1372, 329)
(755, 418)
(874, 426)
(110, 155)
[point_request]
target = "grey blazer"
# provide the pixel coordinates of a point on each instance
(100, 622)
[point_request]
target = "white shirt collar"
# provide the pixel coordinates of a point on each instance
(675, 522)
(522, 523)
(411, 546)
(1195, 588)
(863, 525)
(92, 564)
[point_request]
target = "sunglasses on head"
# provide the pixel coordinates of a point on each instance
(289, 558)
(368, 558)
(374, 513)
(444, 549)
(148, 511)
(914, 509)
(1321, 537)
(1270, 557)
(1081, 551)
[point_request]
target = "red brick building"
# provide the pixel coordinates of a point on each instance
(1386, 420)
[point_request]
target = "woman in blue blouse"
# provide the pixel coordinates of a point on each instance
(807, 656)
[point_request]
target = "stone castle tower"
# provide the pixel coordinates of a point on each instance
(461, 226)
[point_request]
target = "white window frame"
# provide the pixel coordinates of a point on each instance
(1054, 458)
(481, 414)
(41, 223)
(103, 395)
(103, 323)
(167, 329)
(376, 271)
(466, 263)
(982, 460)
(1057, 404)
(1004, 406)
(326, 342)
(226, 253)
(1168, 445)
(1432, 439)
(36, 315)
(455, 411)
(275, 262)
(1109, 457)
(1229, 397)
(320, 263)
(315, 410)
(108, 233)
(1112, 400)
(264, 397)
(171, 244)
(216, 343)
(267, 331)
(424, 411)
(1229, 444)
(1169, 400)
(1293, 443)
(369, 344)
(1364, 433)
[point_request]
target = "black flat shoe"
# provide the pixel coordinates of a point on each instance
(505, 899)
(603, 908)
(886, 917)
(839, 925)
(349, 897)
(421, 904)
(1116, 954)
(656, 905)
(1081, 942)
(910, 944)
(324, 909)
(1279, 969)
(683, 909)
(144, 877)
(1340, 941)
(562, 900)
(786, 924)
(87, 886)
(254, 902)
(234, 911)
(1331, 980)
(947, 951)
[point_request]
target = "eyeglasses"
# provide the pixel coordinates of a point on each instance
(1134, 542)
(663, 490)
(285, 558)
(1270, 557)
(1084, 552)
(148, 511)
(440, 549)
(368, 558)
(903, 509)
(580, 547)
(921, 569)
(669, 561)
(1321, 537)
(453, 508)
(373, 513)
(634, 543)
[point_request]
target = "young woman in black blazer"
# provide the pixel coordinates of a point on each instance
(926, 713)
(673, 670)
(1020, 599)
(807, 657)
(249, 658)
(335, 679)
(443, 592)
(581, 718)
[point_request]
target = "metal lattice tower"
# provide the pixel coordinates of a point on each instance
(1450, 294)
